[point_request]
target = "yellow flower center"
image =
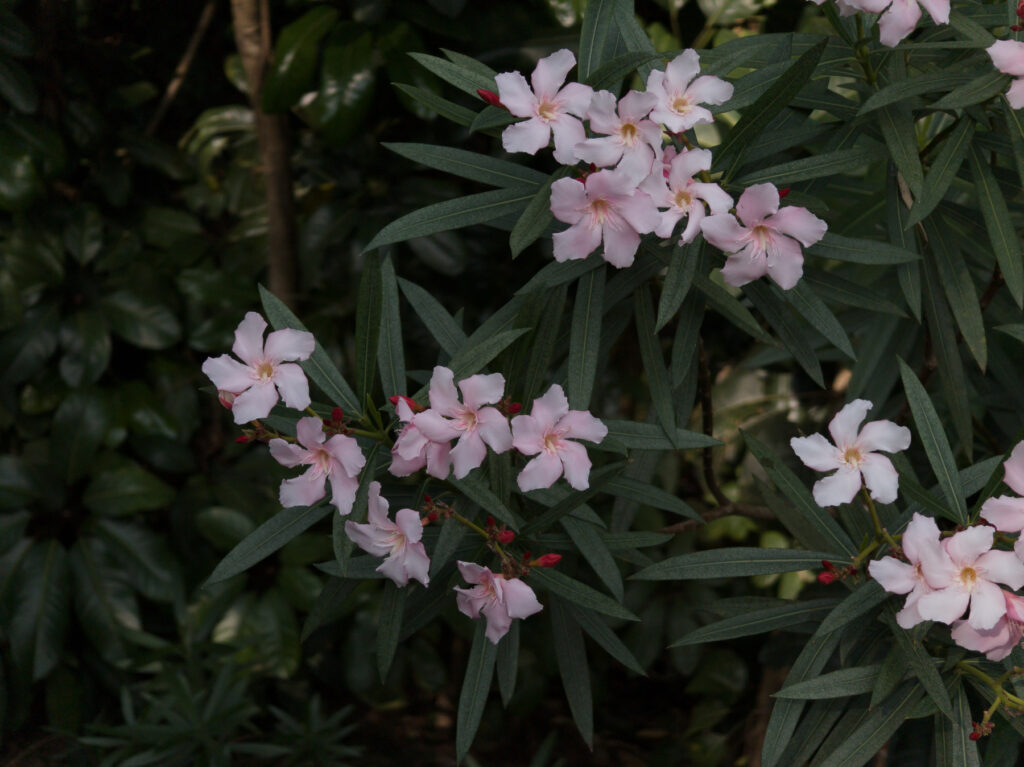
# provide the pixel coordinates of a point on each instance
(264, 371)
(547, 110)
(599, 209)
(968, 577)
(629, 133)
(681, 104)
(683, 199)
(852, 456)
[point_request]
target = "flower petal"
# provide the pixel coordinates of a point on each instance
(515, 94)
(520, 600)
(965, 547)
(921, 534)
(639, 211)
(474, 573)
(785, 260)
(550, 73)
(575, 98)
(880, 477)
(885, 436)
(798, 223)
(468, 454)
(286, 453)
(346, 451)
(443, 396)
(527, 434)
(310, 431)
(434, 426)
(304, 490)
(568, 132)
(289, 345)
(743, 267)
(944, 606)
(498, 621)
(1001, 567)
(580, 424)
(1007, 56)
(228, 373)
(493, 429)
(1015, 93)
(844, 424)
(255, 403)
(480, 390)
(987, 605)
(682, 69)
(367, 538)
(757, 203)
(528, 136)
(408, 521)
(898, 22)
(840, 488)
(343, 492)
(550, 407)
(377, 507)
(248, 345)
(816, 452)
(576, 464)
(892, 575)
(603, 152)
(996, 642)
(725, 233)
(569, 200)
(439, 460)
(541, 472)
(1006, 513)
(292, 383)
(709, 89)
(620, 243)
(578, 241)
(1014, 469)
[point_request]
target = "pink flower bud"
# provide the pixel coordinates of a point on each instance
(226, 398)
(547, 560)
(826, 578)
(505, 537)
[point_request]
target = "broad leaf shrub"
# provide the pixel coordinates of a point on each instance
(850, 204)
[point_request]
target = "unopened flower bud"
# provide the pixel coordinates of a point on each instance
(490, 97)
(505, 537)
(783, 192)
(414, 406)
(546, 560)
(515, 407)
(828, 565)
(490, 521)
(1016, 28)
(241, 440)
(826, 577)
(226, 398)
(337, 415)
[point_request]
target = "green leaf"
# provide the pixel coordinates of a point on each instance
(281, 528)
(574, 500)
(794, 337)
(472, 358)
(1001, 232)
(442, 327)
(732, 562)
(535, 375)
(571, 655)
(79, 428)
(479, 492)
(933, 437)
(223, 527)
(579, 593)
(876, 728)
(649, 436)
(897, 125)
(818, 166)
(919, 661)
(475, 686)
(943, 170)
(1015, 127)
(958, 286)
(823, 531)
(41, 610)
(863, 599)
(389, 626)
(767, 106)
(649, 495)
(953, 745)
(654, 364)
(330, 605)
(390, 355)
(104, 603)
(981, 88)
(126, 490)
(585, 338)
(587, 539)
(901, 90)
(611, 72)
(859, 251)
(819, 316)
(319, 366)
(347, 82)
(843, 683)
(471, 165)
(369, 307)
(296, 54)
(139, 321)
(468, 80)
(759, 621)
(454, 214)
(85, 339)
(729, 307)
(508, 662)
(145, 558)
(16, 87)
(448, 110)
(678, 280)
(537, 217)
(600, 41)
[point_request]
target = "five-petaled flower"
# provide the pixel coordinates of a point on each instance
(1007, 512)
(338, 459)
(549, 107)
(998, 641)
(680, 95)
(767, 242)
(628, 138)
(901, 17)
(682, 196)
(923, 547)
(267, 369)
(399, 541)
(474, 425)
(1008, 58)
(500, 599)
(854, 455)
(547, 431)
(412, 450)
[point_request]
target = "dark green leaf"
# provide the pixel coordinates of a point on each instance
(86, 342)
(480, 493)
(571, 654)
(897, 125)
(466, 79)
(537, 217)
(346, 85)
(600, 40)
(448, 110)
(876, 728)
(901, 90)
(794, 337)
(41, 610)
(649, 436)
(837, 684)
(585, 338)
(649, 495)
(977, 90)
(508, 662)
(445, 330)
(732, 562)
(390, 355)
(863, 599)
(471, 165)
(920, 663)
(295, 57)
(654, 364)
(223, 527)
(140, 321)
(15, 36)
(953, 745)
(943, 170)
(824, 164)
(611, 72)
(125, 490)
(368, 323)
(759, 621)
(472, 358)
(475, 686)
(145, 557)
(389, 626)
(860, 251)
(819, 316)
(79, 427)
(729, 307)
(1003, 236)
(579, 593)
(16, 87)
(587, 539)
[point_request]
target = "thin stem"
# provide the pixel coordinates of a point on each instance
(708, 425)
(880, 532)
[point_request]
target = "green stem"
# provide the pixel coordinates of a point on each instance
(880, 532)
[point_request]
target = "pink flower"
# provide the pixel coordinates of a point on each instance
(684, 197)
(998, 641)
(854, 455)
(547, 431)
(1008, 58)
(338, 459)
(500, 599)
(969, 574)
(253, 383)
(765, 243)
(468, 421)
(901, 17)
(607, 206)
(1007, 512)
(921, 543)
(412, 450)
(680, 96)
(628, 137)
(549, 107)
(399, 541)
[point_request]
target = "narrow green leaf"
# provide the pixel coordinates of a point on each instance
(654, 364)
(600, 40)
(475, 686)
(818, 166)
(958, 285)
(838, 684)
(573, 500)
(678, 280)
(480, 493)
(585, 338)
(390, 354)
(369, 307)
(901, 90)
(579, 593)
(836, 290)
(875, 729)
(731, 563)
(729, 307)
(319, 366)
(981, 88)
(920, 663)
(611, 72)
(649, 495)
(794, 337)
(649, 436)
(442, 327)
(943, 170)
(859, 251)
(933, 437)
(471, 165)
(447, 109)
(953, 745)
(126, 490)
(79, 427)
(491, 118)
(41, 610)
(268, 538)
(472, 358)
(1015, 127)
(329, 606)
(537, 217)
(909, 274)
(508, 662)
(897, 125)
(599, 631)
(389, 626)
(1003, 236)
(591, 545)
(819, 316)
(863, 599)
(571, 655)
(466, 79)
(535, 378)
(759, 621)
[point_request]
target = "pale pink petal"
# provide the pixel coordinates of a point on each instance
(841, 487)
(255, 403)
(443, 396)
(608, 183)
(368, 538)
(757, 203)
(287, 454)
(785, 260)
(996, 642)
(669, 219)
(408, 521)
(480, 390)
(601, 113)
(686, 165)
(944, 606)
(551, 72)
(816, 452)
(292, 383)
(310, 431)
(580, 424)
(603, 152)
(468, 454)
(515, 94)
(1015, 94)
(377, 507)
(417, 563)
(439, 461)
(965, 547)
(1001, 567)
(228, 374)
(892, 575)
(987, 605)
(529, 136)
(248, 345)
(493, 429)
(746, 266)
(909, 616)
(709, 89)
(880, 477)
(410, 443)
(403, 467)
(681, 70)
(620, 243)
(885, 436)
(569, 200)
(346, 451)
(520, 600)
(541, 472)
(1006, 513)
(474, 573)
(717, 198)
(692, 229)
(799, 223)
(640, 212)
(937, 9)
(304, 490)
(394, 567)
(578, 241)
(898, 22)
(1014, 607)
(636, 163)
(498, 621)
(1013, 467)
(921, 534)
(575, 98)
(1008, 56)
(289, 345)
(844, 424)
(868, 6)
(568, 132)
(576, 464)
(343, 492)
(470, 601)
(435, 427)
(550, 407)
(725, 233)
(636, 105)
(528, 434)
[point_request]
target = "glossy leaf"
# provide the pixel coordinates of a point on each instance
(296, 54)
(126, 490)
(578, 593)
(860, 251)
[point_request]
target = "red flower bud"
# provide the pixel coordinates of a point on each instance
(490, 521)
(427, 498)
(547, 560)
(783, 192)
(243, 439)
(828, 565)
(515, 407)
(414, 406)
(490, 97)
(975, 735)
(337, 415)
(433, 516)
(505, 537)
(826, 578)
(1016, 27)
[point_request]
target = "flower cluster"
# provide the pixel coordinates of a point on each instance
(1008, 58)
(636, 184)
(898, 17)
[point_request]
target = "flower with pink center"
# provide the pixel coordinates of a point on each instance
(500, 599)
(255, 385)
(606, 207)
(628, 138)
(901, 17)
(921, 543)
(683, 197)
(399, 541)
(338, 459)
(412, 450)
(769, 240)
(855, 456)
(474, 425)
(968, 575)
(998, 641)
(546, 432)
(549, 107)
(1008, 57)
(680, 95)
(1007, 512)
